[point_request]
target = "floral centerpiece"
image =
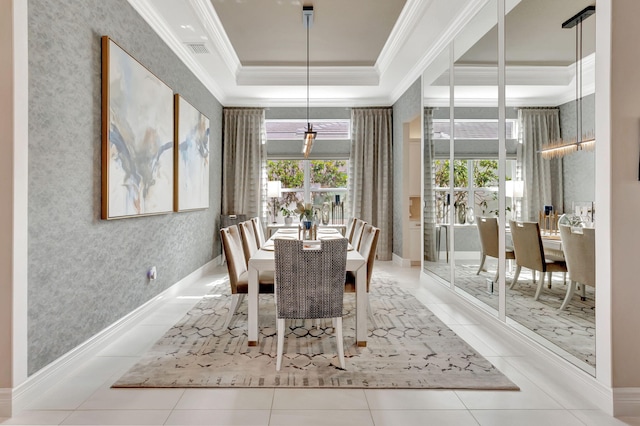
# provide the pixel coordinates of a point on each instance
(305, 211)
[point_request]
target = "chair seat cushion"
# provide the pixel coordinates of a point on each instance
(509, 253)
(265, 279)
(556, 266)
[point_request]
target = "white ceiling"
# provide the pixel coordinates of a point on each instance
(362, 52)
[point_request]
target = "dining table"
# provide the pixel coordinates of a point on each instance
(264, 260)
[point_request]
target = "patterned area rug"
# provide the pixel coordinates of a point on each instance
(408, 347)
(572, 330)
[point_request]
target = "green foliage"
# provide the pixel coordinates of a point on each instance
(328, 173)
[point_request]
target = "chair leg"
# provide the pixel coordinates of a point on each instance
(495, 279)
(583, 292)
(515, 276)
(236, 299)
(339, 342)
(539, 288)
(484, 257)
(549, 285)
(570, 289)
(280, 333)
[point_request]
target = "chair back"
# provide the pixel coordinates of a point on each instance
(368, 246)
(249, 241)
(356, 236)
(350, 228)
(233, 251)
(310, 283)
(579, 247)
(257, 227)
(226, 220)
(528, 245)
(488, 232)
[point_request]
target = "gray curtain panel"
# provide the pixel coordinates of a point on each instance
(244, 158)
(543, 178)
(371, 177)
(429, 214)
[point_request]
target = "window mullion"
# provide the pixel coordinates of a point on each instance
(307, 181)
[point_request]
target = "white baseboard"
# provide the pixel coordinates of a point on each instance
(626, 402)
(5, 402)
(397, 260)
(61, 367)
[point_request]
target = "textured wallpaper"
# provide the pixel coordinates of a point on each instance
(579, 169)
(86, 273)
(405, 109)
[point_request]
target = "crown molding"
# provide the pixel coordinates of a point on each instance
(297, 76)
(316, 102)
(148, 12)
(409, 17)
(215, 31)
(441, 43)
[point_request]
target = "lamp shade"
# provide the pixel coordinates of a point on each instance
(514, 188)
(274, 188)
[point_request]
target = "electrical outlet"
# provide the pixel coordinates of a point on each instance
(152, 273)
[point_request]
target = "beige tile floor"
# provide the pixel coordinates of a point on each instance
(85, 397)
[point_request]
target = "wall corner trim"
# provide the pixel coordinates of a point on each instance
(397, 260)
(626, 402)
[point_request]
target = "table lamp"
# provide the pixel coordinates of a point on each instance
(274, 188)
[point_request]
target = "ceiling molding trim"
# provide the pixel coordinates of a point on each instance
(148, 12)
(315, 103)
(409, 17)
(213, 27)
(448, 35)
(515, 75)
(297, 76)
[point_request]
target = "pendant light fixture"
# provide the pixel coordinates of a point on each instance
(561, 148)
(309, 135)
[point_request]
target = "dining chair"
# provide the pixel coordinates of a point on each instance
(310, 285)
(579, 246)
(356, 235)
(259, 231)
(488, 232)
(238, 273)
(350, 228)
(368, 247)
(249, 240)
(527, 245)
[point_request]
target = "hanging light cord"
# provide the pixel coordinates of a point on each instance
(308, 125)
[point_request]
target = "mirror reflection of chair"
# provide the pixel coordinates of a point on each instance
(368, 246)
(350, 228)
(237, 268)
(310, 285)
(579, 246)
(488, 232)
(527, 245)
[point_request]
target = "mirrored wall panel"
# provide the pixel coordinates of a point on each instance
(550, 87)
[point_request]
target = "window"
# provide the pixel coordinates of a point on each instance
(294, 129)
(475, 187)
(314, 180)
(474, 128)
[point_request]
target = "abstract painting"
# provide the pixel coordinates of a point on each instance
(137, 137)
(192, 157)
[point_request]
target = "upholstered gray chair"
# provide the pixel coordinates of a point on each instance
(529, 251)
(310, 285)
(238, 273)
(488, 232)
(356, 235)
(579, 247)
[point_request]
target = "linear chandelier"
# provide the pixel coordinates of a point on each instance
(309, 134)
(561, 147)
